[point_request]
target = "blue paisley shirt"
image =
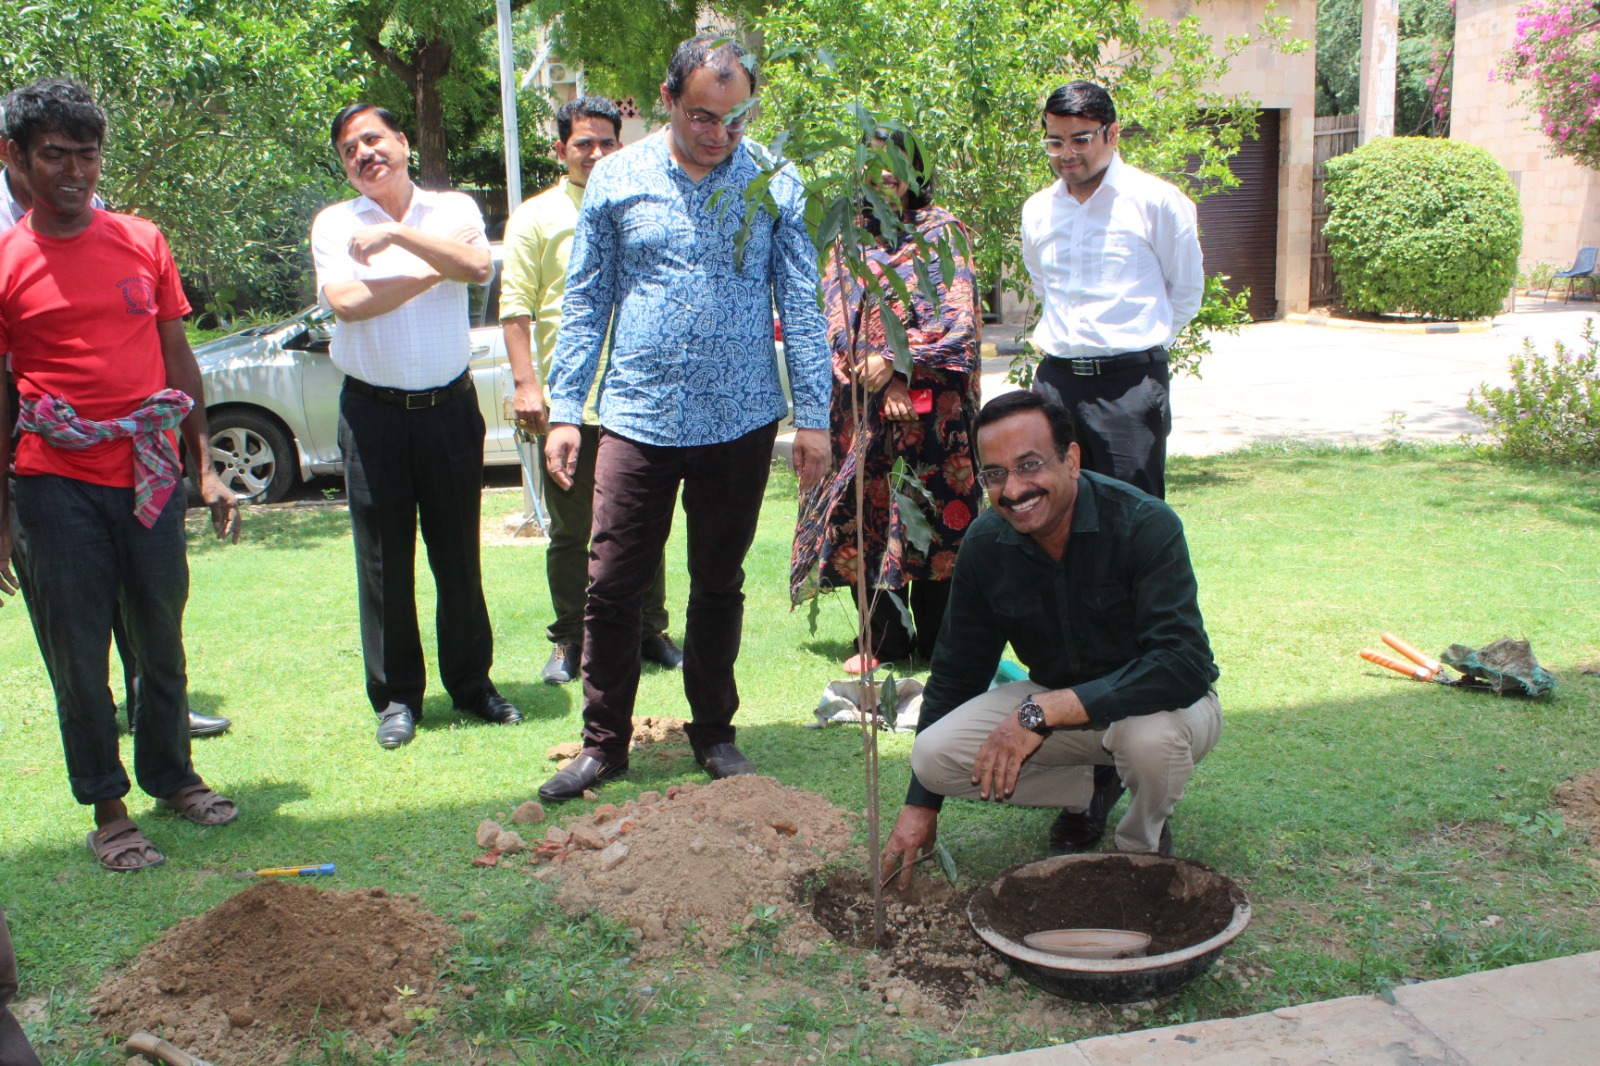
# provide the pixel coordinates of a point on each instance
(692, 360)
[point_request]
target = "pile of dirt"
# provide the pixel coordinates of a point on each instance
(1178, 904)
(693, 865)
(929, 956)
(277, 964)
(1579, 801)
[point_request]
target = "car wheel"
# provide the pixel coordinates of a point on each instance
(253, 456)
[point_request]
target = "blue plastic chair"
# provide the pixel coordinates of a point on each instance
(1582, 267)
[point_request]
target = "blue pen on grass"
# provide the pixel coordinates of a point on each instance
(325, 870)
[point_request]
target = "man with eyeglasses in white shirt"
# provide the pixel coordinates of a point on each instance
(1114, 254)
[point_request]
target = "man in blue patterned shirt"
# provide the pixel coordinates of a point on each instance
(692, 394)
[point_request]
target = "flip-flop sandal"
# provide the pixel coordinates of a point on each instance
(111, 843)
(201, 805)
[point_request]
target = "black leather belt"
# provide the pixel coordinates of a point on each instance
(1088, 368)
(420, 400)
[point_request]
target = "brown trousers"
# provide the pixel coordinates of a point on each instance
(14, 1047)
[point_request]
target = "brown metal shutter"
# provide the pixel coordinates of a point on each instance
(1239, 226)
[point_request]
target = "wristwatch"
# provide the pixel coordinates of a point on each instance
(1031, 717)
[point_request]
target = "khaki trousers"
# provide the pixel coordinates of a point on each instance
(1155, 755)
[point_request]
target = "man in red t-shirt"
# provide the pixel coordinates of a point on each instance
(91, 311)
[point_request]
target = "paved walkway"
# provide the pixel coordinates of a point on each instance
(1295, 381)
(1545, 1013)
(1280, 381)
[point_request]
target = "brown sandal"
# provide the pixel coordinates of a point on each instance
(112, 844)
(201, 805)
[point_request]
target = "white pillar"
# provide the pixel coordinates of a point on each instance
(1380, 33)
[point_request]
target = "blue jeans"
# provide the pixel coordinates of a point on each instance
(80, 548)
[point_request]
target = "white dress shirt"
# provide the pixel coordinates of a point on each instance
(1117, 273)
(424, 343)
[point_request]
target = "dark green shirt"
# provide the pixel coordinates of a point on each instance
(1116, 619)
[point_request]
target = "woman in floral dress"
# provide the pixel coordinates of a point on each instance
(926, 420)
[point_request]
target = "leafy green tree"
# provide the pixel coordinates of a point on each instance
(970, 76)
(218, 130)
(1424, 64)
(623, 45)
(436, 53)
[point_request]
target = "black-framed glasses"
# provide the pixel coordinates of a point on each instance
(995, 477)
(1078, 142)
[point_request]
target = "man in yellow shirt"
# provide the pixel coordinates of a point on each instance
(537, 241)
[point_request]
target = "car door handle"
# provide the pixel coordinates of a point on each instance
(482, 349)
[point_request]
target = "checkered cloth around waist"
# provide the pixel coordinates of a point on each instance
(155, 461)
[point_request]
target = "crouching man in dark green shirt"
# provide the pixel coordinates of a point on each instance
(1089, 580)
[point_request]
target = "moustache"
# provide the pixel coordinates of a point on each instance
(1017, 501)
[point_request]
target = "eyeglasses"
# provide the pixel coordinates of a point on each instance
(1079, 142)
(705, 121)
(994, 478)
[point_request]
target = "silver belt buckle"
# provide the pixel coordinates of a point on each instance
(1085, 368)
(423, 401)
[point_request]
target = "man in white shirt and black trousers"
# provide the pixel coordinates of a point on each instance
(1114, 254)
(394, 265)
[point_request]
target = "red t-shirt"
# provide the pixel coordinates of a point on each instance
(79, 319)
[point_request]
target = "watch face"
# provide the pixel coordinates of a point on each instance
(1031, 717)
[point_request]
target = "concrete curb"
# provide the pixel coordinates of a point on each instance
(1539, 1012)
(1482, 325)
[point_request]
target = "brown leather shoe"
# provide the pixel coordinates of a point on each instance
(724, 760)
(581, 773)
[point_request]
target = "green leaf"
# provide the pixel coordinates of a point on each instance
(919, 531)
(894, 331)
(888, 701)
(947, 862)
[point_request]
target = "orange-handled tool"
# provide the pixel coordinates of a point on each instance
(1433, 666)
(1419, 673)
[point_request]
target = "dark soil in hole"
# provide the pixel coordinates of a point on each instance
(927, 939)
(1176, 906)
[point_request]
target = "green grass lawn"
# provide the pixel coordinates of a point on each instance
(1376, 823)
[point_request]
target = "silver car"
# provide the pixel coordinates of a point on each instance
(272, 398)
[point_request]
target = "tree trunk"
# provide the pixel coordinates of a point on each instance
(432, 63)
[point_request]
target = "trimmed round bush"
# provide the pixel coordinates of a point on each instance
(1422, 225)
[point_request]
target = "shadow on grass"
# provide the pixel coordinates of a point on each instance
(275, 529)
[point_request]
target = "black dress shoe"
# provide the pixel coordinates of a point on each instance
(563, 664)
(495, 709)
(660, 649)
(207, 725)
(724, 760)
(397, 724)
(1165, 847)
(581, 773)
(1075, 831)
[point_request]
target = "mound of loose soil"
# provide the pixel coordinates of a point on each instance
(276, 964)
(1579, 800)
(1178, 904)
(694, 864)
(930, 952)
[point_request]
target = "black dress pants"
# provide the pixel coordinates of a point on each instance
(1123, 418)
(405, 468)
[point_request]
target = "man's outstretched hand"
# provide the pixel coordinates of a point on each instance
(909, 841)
